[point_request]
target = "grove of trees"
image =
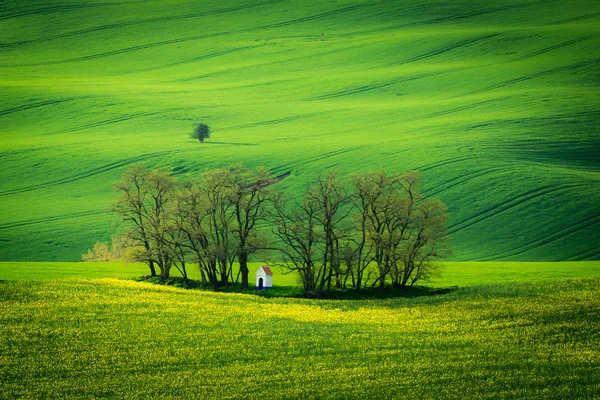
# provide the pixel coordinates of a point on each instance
(377, 229)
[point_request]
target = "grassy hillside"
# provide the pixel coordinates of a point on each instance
(120, 339)
(497, 103)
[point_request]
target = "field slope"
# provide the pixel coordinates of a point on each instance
(497, 103)
(81, 338)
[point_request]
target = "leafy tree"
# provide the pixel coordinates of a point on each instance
(309, 232)
(201, 132)
(404, 232)
(295, 224)
(329, 193)
(193, 221)
(377, 204)
(145, 202)
(249, 195)
(205, 217)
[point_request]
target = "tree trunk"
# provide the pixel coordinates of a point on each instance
(243, 259)
(165, 274)
(152, 268)
(201, 140)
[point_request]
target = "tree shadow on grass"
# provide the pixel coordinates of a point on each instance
(384, 293)
(296, 292)
(232, 143)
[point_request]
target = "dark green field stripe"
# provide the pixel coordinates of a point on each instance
(508, 204)
(556, 47)
(462, 179)
(192, 38)
(451, 110)
(591, 254)
(87, 174)
(595, 114)
(122, 118)
(290, 166)
(374, 86)
(51, 219)
(139, 22)
(427, 167)
(271, 122)
(30, 106)
(52, 10)
(569, 230)
(462, 16)
(268, 63)
(575, 19)
(587, 63)
(196, 59)
(447, 48)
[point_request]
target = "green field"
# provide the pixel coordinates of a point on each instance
(84, 338)
(451, 274)
(496, 103)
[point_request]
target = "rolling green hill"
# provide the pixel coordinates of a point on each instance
(497, 103)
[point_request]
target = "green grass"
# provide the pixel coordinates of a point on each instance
(82, 338)
(495, 102)
(451, 274)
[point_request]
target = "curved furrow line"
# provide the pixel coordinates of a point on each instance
(574, 228)
(269, 63)
(196, 59)
(507, 205)
(574, 19)
(452, 18)
(309, 18)
(50, 10)
(461, 180)
(555, 47)
(122, 118)
(451, 110)
(39, 104)
(189, 38)
(87, 174)
(447, 48)
(458, 17)
(427, 167)
(551, 118)
(50, 219)
(524, 78)
(137, 22)
(366, 88)
(332, 154)
(291, 165)
(271, 122)
(355, 90)
(584, 255)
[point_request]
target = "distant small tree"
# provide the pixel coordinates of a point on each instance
(201, 132)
